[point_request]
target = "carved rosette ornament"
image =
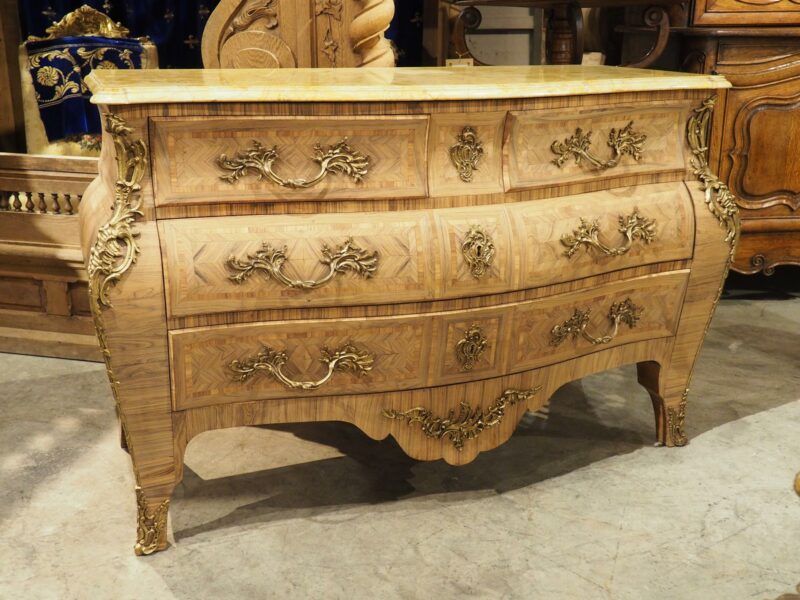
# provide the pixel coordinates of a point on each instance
(467, 424)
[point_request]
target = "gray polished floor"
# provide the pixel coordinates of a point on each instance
(577, 505)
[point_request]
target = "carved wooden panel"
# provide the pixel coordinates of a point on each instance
(658, 296)
(196, 253)
(187, 156)
(287, 33)
(762, 124)
(400, 348)
(530, 158)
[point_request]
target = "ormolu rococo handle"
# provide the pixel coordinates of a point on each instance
(633, 227)
(270, 261)
(621, 312)
(339, 158)
(348, 358)
(622, 141)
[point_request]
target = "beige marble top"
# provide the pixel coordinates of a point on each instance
(428, 83)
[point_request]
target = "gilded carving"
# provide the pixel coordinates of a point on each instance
(675, 421)
(339, 158)
(347, 359)
(578, 146)
(471, 347)
(115, 248)
(466, 153)
(151, 527)
(478, 251)
(84, 21)
(620, 312)
(633, 227)
(467, 424)
(718, 197)
(270, 261)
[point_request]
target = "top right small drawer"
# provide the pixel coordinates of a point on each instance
(545, 148)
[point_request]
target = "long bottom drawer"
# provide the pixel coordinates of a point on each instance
(322, 357)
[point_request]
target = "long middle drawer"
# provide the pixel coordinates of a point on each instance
(231, 264)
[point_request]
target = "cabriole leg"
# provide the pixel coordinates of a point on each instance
(669, 410)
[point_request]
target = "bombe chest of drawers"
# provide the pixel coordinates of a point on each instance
(424, 253)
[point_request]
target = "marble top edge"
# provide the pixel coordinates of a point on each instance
(153, 86)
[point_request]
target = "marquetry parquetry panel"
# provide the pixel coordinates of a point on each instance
(659, 296)
(540, 227)
(494, 326)
(196, 252)
(186, 154)
(528, 158)
(444, 130)
(201, 357)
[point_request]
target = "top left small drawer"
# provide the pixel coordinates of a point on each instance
(197, 161)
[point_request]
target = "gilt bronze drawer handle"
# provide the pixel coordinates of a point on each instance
(465, 425)
(622, 141)
(633, 227)
(470, 348)
(270, 261)
(348, 358)
(621, 312)
(478, 251)
(466, 153)
(339, 158)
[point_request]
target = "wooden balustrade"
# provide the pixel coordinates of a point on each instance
(43, 299)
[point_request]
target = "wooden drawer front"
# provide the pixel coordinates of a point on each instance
(187, 167)
(199, 276)
(383, 354)
(657, 297)
(548, 231)
(413, 256)
(536, 139)
(399, 349)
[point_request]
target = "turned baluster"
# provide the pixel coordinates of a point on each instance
(67, 204)
(29, 207)
(42, 203)
(16, 203)
(56, 206)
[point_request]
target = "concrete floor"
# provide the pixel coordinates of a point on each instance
(578, 505)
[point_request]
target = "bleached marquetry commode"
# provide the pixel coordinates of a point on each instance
(424, 253)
